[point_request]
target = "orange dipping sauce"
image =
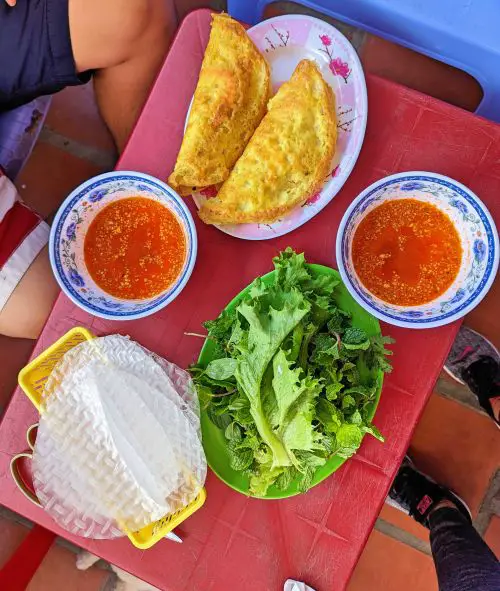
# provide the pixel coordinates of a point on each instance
(135, 248)
(406, 252)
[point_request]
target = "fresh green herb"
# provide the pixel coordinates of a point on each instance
(285, 384)
(221, 369)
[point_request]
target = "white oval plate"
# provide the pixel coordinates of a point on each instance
(284, 42)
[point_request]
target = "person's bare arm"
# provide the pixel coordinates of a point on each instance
(125, 42)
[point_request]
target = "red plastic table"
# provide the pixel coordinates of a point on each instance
(236, 543)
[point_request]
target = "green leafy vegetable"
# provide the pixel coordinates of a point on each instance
(348, 439)
(221, 369)
(287, 384)
(233, 432)
(375, 356)
(240, 459)
(355, 338)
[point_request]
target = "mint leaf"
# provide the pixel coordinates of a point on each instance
(220, 329)
(329, 443)
(348, 401)
(250, 441)
(242, 414)
(310, 462)
(233, 432)
(310, 459)
(338, 321)
(306, 480)
(326, 349)
(328, 415)
(355, 338)
(332, 390)
(221, 369)
(349, 439)
(240, 459)
(366, 392)
(285, 479)
(351, 374)
(221, 421)
(375, 356)
(372, 430)
(355, 418)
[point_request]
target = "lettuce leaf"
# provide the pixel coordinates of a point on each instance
(295, 397)
(267, 329)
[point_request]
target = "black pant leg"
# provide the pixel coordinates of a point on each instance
(463, 560)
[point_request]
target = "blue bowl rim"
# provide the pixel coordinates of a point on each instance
(114, 175)
(420, 323)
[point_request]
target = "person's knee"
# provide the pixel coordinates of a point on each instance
(105, 34)
(147, 21)
(159, 23)
(26, 311)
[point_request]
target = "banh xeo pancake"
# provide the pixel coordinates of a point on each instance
(229, 102)
(288, 157)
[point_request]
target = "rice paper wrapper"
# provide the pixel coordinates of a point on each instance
(119, 441)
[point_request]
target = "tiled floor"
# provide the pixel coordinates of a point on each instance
(13, 534)
(389, 565)
(457, 444)
(57, 571)
(50, 174)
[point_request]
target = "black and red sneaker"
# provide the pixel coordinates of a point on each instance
(483, 378)
(475, 361)
(467, 348)
(416, 494)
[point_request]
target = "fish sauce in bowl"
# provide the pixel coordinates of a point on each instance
(406, 252)
(135, 248)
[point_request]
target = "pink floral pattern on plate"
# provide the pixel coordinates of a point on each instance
(336, 65)
(314, 198)
(284, 41)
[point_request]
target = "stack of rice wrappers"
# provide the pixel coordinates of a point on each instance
(119, 441)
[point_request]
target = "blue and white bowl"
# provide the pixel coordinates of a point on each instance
(70, 227)
(476, 230)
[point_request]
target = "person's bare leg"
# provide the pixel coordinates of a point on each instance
(125, 42)
(29, 306)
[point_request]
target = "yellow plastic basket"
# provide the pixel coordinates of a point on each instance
(32, 380)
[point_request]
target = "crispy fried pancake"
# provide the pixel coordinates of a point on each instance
(229, 102)
(288, 157)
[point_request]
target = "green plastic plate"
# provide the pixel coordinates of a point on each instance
(214, 441)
